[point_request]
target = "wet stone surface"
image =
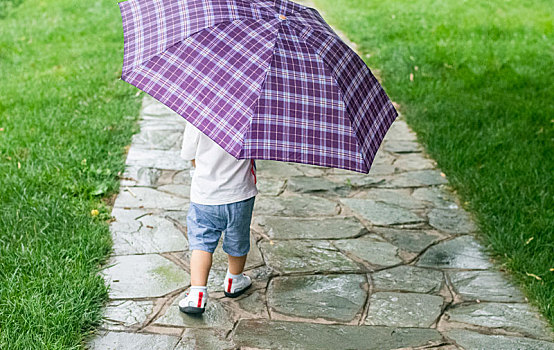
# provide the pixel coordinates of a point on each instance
(402, 147)
(148, 234)
(462, 253)
(334, 297)
(307, 228)
(144, 197)
(408, 279)
(437, 197)
(484, 286)
(306, 184)
(143, 276)
(397, 197)
(451, 221)
(265, 334)
(415, 179)
(403, 309)
(379, 213)
(124, 314)
(514, 317)
(295, 206)
(205, 339)
(133, 341)
(271, 187)
(372, 249)
(410, 240)
(306, 256)
(474, 340)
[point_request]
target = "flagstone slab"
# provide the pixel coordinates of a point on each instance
(408, 279)
(408, 179)
(308, 228)
(270, 168)
(140, 176)
(125, 314)
(381, 213)
(437, 197)
(271, 187)
(478, 341)
(265, 334)
(413, 241)
(148, 234)
(400, 131)
(462, 252)
(372, 249)
(179, 190)
(295, 206)
(254, 304)
(451, 221)
(204, 339)
(143, 276)
(160, 139)
(168, 123)
(334, 297)
(305, 184)
(403, 309)
(484, 286)
(306, 256)
(132, 341)
(149, 198)
(168, 160)
(514, 317)
(413, 161)
(381, 169)
(416, 178)
(215, 316)
(402, 146)
(398, 197)
(311, 170)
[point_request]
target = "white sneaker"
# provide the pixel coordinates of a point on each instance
(233, 287)
(194, 302)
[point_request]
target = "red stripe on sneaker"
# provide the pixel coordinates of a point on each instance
(229, 286)
(200, 295)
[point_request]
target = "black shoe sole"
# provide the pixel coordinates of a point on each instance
(192, 310)
(236, 294)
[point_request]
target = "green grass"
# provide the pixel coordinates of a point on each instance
(482, 102)
(65, 120)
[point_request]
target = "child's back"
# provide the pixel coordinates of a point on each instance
(219, 178)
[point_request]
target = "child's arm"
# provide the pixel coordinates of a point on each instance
(190, 143)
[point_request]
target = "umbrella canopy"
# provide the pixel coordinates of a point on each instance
(265, 79)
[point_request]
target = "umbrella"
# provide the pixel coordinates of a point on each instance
(264, 79)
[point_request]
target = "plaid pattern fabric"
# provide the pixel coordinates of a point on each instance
(263, 79)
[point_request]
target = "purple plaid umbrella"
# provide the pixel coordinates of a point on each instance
(265, 79)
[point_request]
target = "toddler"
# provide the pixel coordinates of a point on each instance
(222, 196)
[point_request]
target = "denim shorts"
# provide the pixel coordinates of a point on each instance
(206, 223)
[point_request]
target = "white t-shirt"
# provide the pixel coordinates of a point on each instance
(219, 178)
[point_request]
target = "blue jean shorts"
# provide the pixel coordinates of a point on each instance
(206, 223)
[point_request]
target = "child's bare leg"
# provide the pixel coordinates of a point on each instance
(236, 264)
(200, 265)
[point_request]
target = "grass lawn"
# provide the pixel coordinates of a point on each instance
(482, 102)
(65, 120)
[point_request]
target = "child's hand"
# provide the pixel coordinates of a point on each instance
(193, 163)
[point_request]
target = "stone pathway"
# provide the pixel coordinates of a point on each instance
(339, 259)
